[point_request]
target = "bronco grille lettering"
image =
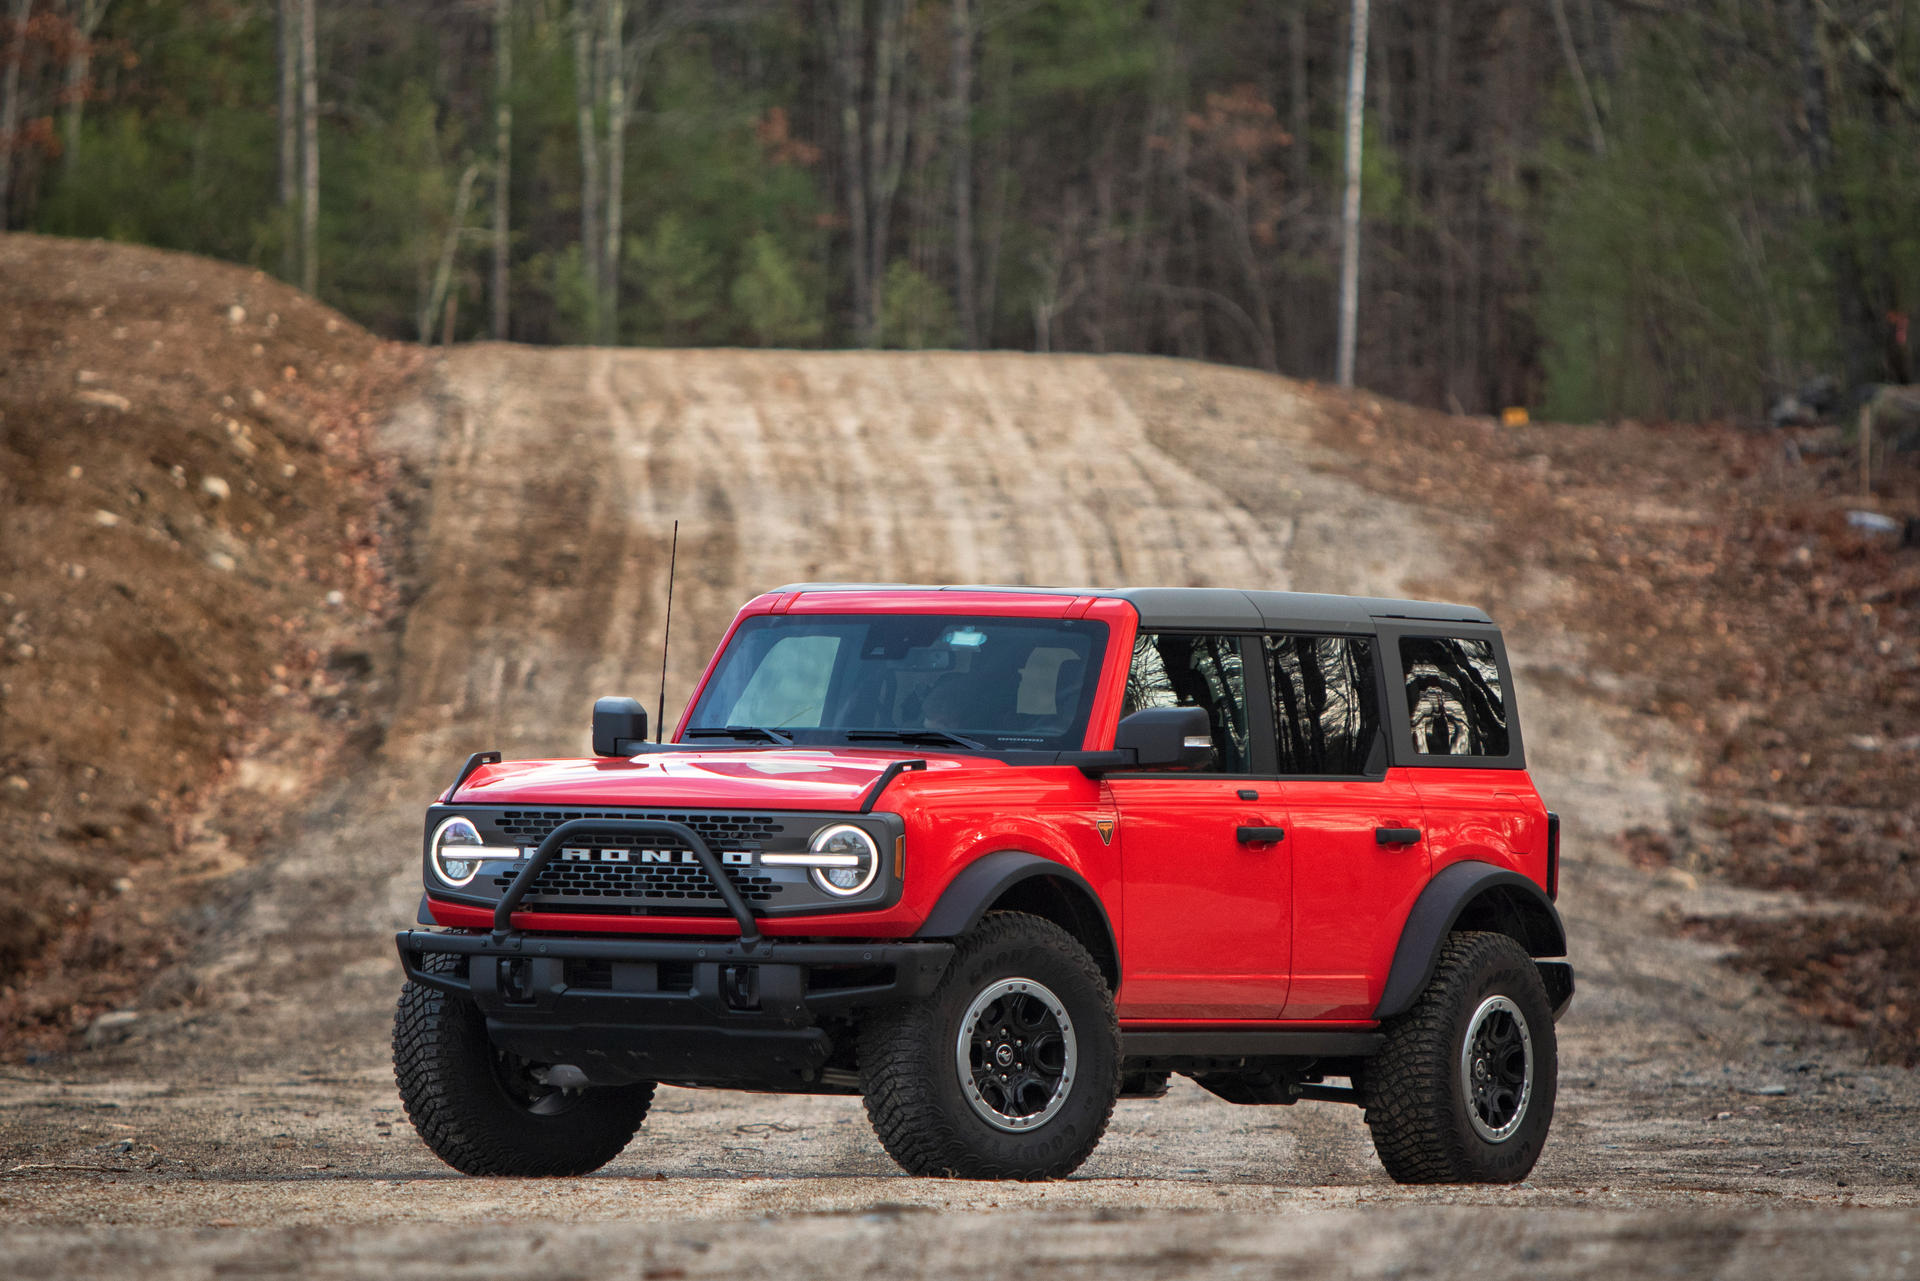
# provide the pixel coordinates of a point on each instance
(729, 858)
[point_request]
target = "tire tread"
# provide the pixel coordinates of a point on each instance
(901, 1056)
(438, 1046)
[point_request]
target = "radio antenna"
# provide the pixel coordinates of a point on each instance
(666, 634)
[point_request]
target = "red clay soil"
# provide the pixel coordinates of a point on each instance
(1715, 572)
(190, 528)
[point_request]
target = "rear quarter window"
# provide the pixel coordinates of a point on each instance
(1456, 701)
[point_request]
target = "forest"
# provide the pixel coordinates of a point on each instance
(1656, 210)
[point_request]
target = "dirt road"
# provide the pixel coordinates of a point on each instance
(252, 1126)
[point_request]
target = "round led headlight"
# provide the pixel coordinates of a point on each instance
(458, 851)
(848, 860)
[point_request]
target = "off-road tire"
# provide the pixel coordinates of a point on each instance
(450, 1078)
(914, 1093)
(1416, 1097)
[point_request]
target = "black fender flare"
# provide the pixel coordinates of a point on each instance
(985, 881)
(1440, 907)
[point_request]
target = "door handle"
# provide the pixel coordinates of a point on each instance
(1395, 835)
(1259, 835)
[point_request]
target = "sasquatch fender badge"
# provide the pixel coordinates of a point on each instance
(1104, 826)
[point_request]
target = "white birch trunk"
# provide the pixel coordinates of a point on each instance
(1350, 211)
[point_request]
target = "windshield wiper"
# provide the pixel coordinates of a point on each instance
(926, 736)
(760, 732)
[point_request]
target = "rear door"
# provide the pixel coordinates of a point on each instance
(1207, 919)
(1359, 848)
(1460, 741)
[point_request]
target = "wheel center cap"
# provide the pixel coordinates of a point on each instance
(1004, 1055)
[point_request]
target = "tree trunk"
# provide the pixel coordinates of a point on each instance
(1000, 165)
(887, 132)
(310, 149)
(502, 157)
(616, 164)
(435, 305)
(289, 122)
(847, 30)
(85, 21)
(16, 46)
(1860, 344)
(585, 91)
(960, 122)
(1597, 136)
(1350, 212)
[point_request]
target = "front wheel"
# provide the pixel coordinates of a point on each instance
(1009, 1070)
(485, 1111)
(1464, 1090)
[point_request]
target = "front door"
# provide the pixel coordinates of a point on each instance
(1208, 874)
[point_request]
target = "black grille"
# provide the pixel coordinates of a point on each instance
(722, 831)
(655, 882)
(595, 886)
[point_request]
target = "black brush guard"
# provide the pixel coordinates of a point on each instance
(743, 1012)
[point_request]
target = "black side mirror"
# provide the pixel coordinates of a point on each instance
(619, 727)
(1167, 736)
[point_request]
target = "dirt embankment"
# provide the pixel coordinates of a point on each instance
(190, 526)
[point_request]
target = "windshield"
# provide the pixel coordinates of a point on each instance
(927, 680)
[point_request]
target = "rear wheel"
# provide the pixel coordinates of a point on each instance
(484, 1111)
(1009, 1070)
(1464, 1090)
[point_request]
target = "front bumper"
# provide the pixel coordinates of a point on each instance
(728, 1012)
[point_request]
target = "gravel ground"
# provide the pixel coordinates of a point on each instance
(248, 1123)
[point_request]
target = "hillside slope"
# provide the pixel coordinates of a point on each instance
(189, 516)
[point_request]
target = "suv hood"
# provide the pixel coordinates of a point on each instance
(753, 778)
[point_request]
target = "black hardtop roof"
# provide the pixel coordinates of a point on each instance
(1215, 608)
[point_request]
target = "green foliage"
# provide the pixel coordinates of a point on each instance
(1085, 48)
(387, 212)
(914, 312)
(678, 277)
(185, 157)
(772, 300)
(1680, 277)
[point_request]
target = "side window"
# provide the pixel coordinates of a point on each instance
(1326, 704)
(1194, 671)
(1454, 696)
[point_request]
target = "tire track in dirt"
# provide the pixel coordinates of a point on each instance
(554, 479)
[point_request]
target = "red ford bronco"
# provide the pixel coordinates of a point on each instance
(992, 858)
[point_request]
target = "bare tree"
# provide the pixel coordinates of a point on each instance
(502, 156)
(614, 43)
(289, 123)
(871, 65)
(84, 18)
(616, 156)
(18, 13)
(438, 292)
(1597, 136)
(960, 129)
(1350, 210)
(310, 151)
(585, 77)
